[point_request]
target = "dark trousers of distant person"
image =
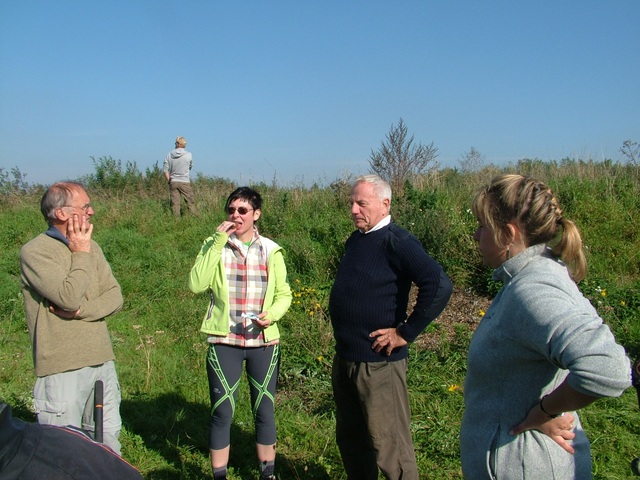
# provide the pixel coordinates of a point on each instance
(179, 190)
(373, 419)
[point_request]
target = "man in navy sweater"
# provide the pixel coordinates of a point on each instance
(368, 307)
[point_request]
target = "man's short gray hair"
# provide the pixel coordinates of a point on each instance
(56, 196)
(381, 186)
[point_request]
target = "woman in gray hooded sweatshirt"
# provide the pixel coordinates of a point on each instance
(540, 350)
(177, 165)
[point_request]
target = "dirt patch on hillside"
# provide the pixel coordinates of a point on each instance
(465, 309)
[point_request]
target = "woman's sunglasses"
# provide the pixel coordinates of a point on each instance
(241, 210)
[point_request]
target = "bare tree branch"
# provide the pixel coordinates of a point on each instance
(398, 158)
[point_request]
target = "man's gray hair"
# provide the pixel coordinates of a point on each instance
(58, 195)
(381, 186)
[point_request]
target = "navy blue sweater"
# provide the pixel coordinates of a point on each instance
(371, 291)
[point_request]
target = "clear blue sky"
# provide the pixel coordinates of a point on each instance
(303, 90)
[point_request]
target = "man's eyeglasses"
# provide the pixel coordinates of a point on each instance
(241, 210)
(84, 208)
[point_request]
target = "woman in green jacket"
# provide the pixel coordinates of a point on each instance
(246, 277)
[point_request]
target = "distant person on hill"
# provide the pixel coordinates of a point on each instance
(246, 277)
(68, 291)
(368, 307)
(541, 349)
(29, 451)
(177, 165)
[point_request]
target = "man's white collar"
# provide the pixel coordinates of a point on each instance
(382, 223)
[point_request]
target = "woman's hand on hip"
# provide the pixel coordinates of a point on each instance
(559, 429)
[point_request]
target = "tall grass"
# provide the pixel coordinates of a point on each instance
(160, 352)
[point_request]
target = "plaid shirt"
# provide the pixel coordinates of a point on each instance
(246, 268)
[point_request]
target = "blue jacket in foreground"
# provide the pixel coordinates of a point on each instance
(538, 331)
(371, 291)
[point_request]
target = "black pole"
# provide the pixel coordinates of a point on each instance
(97, 409)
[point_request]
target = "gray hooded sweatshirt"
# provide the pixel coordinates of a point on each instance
(538, 331)
(178, 163)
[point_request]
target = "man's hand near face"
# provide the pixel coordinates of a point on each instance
(79, 231)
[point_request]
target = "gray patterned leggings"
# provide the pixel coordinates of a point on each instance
(224, 369)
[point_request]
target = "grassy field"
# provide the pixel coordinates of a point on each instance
(160, 352)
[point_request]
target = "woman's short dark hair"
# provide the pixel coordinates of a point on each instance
(247, 194)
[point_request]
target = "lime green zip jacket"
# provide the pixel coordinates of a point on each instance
(208, 273)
